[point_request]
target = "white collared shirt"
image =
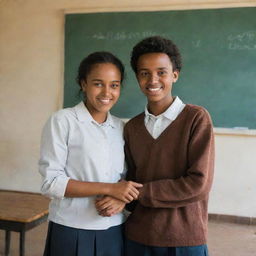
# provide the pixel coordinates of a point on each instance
(75, 146)
(157, 124)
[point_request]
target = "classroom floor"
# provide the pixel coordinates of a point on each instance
(225, 239)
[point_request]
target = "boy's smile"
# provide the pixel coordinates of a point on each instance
(155, 76)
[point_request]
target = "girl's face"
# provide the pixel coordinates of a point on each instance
(102, 89)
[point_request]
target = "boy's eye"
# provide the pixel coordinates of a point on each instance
(144, 73)
(160, 73)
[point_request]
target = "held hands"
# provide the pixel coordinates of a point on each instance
(108, 206)
(125, 191)
(120, 193)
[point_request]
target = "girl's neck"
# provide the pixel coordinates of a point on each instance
(99, 117)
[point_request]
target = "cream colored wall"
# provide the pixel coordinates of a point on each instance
(234, 187)
(31, 87)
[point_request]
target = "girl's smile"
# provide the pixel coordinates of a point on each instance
(101, 89)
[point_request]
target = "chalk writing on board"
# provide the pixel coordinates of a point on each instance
(123, 35)
(196, 43)
(242, 41)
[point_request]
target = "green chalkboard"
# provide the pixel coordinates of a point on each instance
(218, 47)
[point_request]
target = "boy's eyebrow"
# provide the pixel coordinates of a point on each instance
(161, 68)
(142, 69)
(96, 79)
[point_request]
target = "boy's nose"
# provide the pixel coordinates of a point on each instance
(153, 79)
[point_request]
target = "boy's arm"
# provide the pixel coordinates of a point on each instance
(108, 206)
(130, 174)
(195, 186)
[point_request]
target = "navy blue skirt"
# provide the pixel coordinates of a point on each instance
(66, 241)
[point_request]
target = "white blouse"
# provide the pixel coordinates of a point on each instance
(75, 146)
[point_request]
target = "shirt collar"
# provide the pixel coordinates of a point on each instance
(170, 113)
(83, 115)
(110, 121)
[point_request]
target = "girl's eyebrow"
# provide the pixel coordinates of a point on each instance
(100, 80)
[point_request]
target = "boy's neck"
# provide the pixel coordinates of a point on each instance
(157, 108)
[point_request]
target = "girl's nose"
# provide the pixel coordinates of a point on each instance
(106, 90)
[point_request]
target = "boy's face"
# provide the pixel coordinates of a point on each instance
(155, 76)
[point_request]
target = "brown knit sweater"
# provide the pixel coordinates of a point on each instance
(177, 172)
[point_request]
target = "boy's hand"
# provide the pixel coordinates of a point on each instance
(108, 206)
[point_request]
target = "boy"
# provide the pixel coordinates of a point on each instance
(170, 149)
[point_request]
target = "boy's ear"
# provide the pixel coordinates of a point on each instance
(175, 75)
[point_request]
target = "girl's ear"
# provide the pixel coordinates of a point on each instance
(83, 85)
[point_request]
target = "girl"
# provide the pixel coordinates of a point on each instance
(82, 157)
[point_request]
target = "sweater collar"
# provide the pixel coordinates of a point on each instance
(170, 113)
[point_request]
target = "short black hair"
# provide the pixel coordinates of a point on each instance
(96, 58)
(156, 44)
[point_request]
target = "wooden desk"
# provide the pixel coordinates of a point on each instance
(19, 212)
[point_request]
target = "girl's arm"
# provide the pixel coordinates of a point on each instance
(125, 191)
(53, 157)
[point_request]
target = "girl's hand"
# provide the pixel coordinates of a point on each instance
(125, 191)
(108, 206)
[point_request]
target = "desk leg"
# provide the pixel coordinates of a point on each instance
(22, 243)
(7, 242)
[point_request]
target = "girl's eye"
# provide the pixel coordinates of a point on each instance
(115, 85)
(98, 84)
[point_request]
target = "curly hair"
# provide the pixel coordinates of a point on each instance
(156, 44)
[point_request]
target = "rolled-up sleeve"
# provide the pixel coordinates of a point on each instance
(53, 157)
